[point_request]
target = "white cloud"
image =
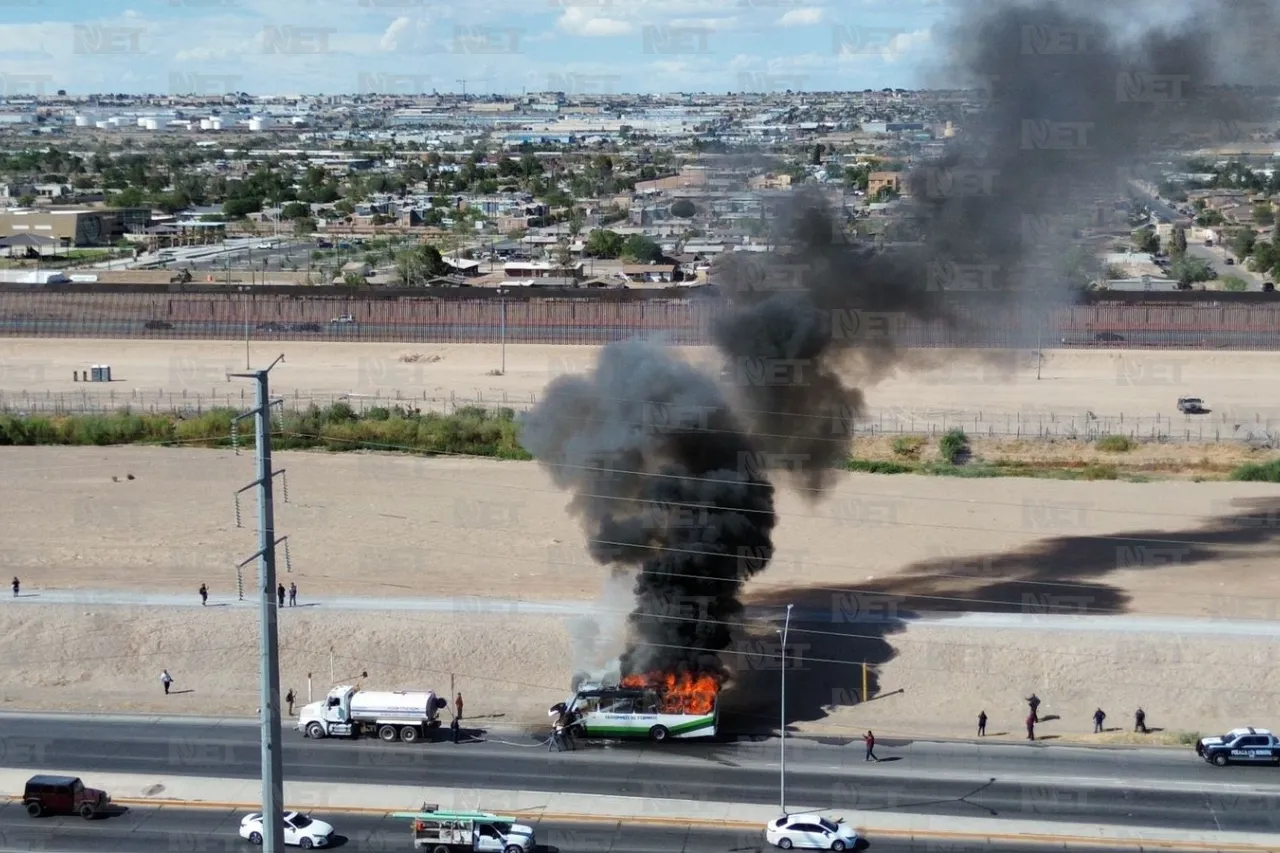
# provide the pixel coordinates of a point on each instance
(582, 22)
(397, 34)
(802, 17)
(907, 43)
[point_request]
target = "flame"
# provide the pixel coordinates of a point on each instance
(686, 693)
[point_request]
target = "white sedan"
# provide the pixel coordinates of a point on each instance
(811, 832)
(299, 830)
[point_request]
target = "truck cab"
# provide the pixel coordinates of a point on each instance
(1246, 745)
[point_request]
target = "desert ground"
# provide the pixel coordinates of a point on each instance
(382, 526)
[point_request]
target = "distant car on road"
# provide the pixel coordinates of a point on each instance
(811, 832)
(1247, 745)
(271, 327)
(1191, 405)
(299, 830)
(1108, 337)
(343, 320)
(157, 324)
(305, 327)
(63, 795)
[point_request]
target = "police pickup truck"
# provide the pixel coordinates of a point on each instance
(1241, 746)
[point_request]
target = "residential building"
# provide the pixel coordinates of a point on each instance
(878, 181)
(649, 273)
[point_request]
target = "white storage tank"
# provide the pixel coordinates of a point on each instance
(256, 123)
(151, 124)
(82, 121)
(215, 123)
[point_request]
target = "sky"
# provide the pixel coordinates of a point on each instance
(284, 47)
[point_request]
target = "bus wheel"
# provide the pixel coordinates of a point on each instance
(658, 734)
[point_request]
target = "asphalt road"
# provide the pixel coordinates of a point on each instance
(1120, 787)
(519, 333)
(140, 830)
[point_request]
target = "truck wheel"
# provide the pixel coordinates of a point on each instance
(408, 734)
(34, 809)
(387, 733)
(1220, 759)
(86, 811)
(440, 848)
(315, 730)
(658, 734)
(513, 849)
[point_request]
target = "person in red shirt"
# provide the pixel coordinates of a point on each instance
(1031, 726)
(870, 740)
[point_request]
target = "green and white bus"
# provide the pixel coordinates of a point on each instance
(610, 711)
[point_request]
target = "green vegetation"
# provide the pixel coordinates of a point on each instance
(1116, 444)
(1266, 472)
(908, 445)
(954, 446)
(473, 431)
(875, 466)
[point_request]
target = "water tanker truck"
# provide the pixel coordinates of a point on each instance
(351, 712)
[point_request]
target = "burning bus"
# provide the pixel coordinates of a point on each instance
(653, 706)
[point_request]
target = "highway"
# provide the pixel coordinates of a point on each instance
(1133, 788)
(167, 830)
(518, 333)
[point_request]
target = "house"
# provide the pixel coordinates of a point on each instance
(878, 181)
(540, 272)
(463, 267)
(769, 181)
(649, 273)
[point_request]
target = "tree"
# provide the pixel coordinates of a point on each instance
(1179, 246)
(642, 249)
(1243, 242)
(354, 279)
(1264, 257)
(816, 159)
(1188, 270)
(684, 209)
(1263, 214)
(295, 210)
(602, 243)
(1146, 240)
(416, 265)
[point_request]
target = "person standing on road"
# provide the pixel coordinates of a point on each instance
(289, 697)
(16, 583)
(166, 679)
(1033, 702)
(1031, 726)
(1140, 722)
(457, 707)
(982, 724)
(1099, 716)
(204, 595)
(280, 594)
(870, 740)
(293, 595)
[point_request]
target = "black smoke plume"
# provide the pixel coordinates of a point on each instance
(672, 475)
(663, 481)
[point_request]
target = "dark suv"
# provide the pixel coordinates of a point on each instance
(63, 795)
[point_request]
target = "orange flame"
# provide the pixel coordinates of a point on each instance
(685, 693)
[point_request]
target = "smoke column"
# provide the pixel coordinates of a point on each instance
(662, 480)
(671, 471)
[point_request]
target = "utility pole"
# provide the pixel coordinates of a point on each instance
(272, 763)
(502, 299)
(782, 739)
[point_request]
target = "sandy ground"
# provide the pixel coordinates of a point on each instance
(363, 524)
(993, 385)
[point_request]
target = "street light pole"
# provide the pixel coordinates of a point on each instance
(782, 741)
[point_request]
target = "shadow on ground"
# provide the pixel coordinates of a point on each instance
(834, 630)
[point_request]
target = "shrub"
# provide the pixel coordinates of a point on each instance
(954, 446)
(908, 445)
(1253, 472)
(875, 466)
(1116, 444)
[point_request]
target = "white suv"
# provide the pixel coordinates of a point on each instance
(811, 832)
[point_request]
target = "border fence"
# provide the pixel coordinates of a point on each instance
(1256, 428)
(529, 318)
